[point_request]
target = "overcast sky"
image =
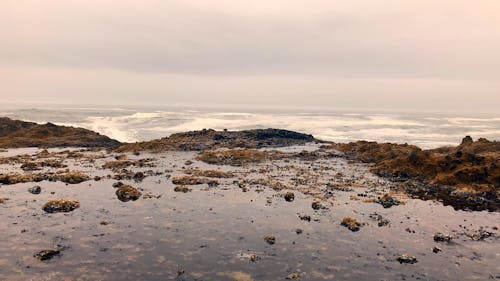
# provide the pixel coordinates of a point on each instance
(426, 54)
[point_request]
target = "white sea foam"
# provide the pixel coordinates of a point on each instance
(144, 124)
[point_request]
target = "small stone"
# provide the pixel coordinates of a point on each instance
(35, 189)
(139, 176)
(407, 258)
(182, 188)
(254, 258)
(270, 239)
(381, 220)
(305, 217)
(351, 224)
(45, 255)
(440, 237)
(436, 250)
(299, 231)
(317, 205)
(289, 196)
(118, 184)
(293, 275)
(387, 201)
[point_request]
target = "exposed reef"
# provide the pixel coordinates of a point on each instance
(16, 134)
(466, 176)
(211, 139)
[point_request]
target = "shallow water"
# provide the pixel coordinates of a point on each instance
(210, 233)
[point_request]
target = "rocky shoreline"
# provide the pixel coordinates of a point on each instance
(282, 206)
(466, 177)
(18, 134)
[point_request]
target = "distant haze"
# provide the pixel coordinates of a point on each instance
(440, 55)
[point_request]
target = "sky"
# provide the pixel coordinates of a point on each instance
(418, 55)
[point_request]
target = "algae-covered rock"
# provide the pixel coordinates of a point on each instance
(351, 223)
(127, 193)
(57, 206)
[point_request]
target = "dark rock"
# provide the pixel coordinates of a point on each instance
(35, 189)
(270, 239)
(317, 205)
(436, 250)
(351, 223)
(118, 184)
(305, 217)
(407, 258)
(48, 254)
(467, 141)
(387, 201)
(289, 196)
(139, 176)
(440, 237)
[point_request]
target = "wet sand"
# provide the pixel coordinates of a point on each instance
(217, 233)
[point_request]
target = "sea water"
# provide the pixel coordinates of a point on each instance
(131, 124)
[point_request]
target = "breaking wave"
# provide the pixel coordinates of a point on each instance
(138, 124)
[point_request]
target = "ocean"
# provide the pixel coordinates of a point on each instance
(131, 124)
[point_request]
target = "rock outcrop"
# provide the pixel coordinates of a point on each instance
(211, 139)
(466, 176)
(16, 134)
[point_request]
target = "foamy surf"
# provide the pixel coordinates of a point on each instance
(139, 124)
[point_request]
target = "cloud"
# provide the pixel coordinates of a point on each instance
(448, 39)
(385, 54)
